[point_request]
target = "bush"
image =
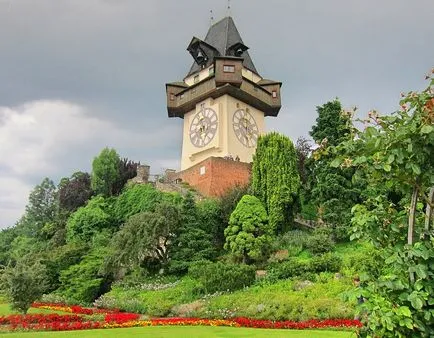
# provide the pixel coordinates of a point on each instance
(293, 267)
(328, 262)
(222, 277)
(249, 234)
(23, 284)
(320, 241)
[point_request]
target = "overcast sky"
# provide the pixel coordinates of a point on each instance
(79, 75)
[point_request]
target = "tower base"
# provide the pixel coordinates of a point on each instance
(216, 175)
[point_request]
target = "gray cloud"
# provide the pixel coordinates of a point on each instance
(110, 60)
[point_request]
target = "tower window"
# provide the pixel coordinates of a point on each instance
(228, 69)
(172, 97)
(274, 94)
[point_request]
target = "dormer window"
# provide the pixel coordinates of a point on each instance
(229, 68)
(237, 49)
(196, 78)
(274, 94)
(211, 71)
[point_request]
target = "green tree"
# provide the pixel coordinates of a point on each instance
(395, 153)
(87, 221)
(23, 284)
(105, 172)
(84, 282)
(145, 238)
(211, 220)
(332, 126)
(135, 199)
(191, 243)
(332, 190)
(249, 234)
(275, 178)
(41, 209)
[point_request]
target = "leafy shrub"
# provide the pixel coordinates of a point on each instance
(320, 241)
(222, 277)
(23, 284)
(294, 241)
(328, 262)
(84, 282)
(89, 220)
(293, 267)
(248, 234)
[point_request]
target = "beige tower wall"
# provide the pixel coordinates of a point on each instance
(225, 141)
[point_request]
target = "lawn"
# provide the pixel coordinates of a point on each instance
(192, 331)
(5, 310)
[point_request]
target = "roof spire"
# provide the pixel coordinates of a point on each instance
(229, 8)
(211, 19)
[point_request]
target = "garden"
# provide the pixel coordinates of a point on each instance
(334, 239)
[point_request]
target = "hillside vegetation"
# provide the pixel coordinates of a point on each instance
(97, 238)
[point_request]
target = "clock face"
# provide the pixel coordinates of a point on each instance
(203, 127)
(245, 128)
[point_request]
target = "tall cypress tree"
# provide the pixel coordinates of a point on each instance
(275, 178)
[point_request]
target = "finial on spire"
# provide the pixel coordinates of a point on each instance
(229, 8)
(211, 19)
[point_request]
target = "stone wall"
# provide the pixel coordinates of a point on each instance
(215, 175)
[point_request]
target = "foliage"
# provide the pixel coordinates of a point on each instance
(285, 300)
(105, 172)
(138, 198)
(84, 282)
(60, 259)
(89, 220)
(395, 154)
(145, 239)
(40, 209)
(210, 216)
(229, 201)
(191, 243)
(74, 192)
(275, 178)
(296, 267)
(23, 284)
(222, 277)
(158, 298)
(6, 238)
(331, 125)
(303, 150)
(249, 234)
(332, 190)
(320, 241)
(127, 170)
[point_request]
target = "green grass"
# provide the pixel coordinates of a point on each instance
(6, 310)
(192, 331)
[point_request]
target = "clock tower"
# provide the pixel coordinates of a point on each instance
(223, 100)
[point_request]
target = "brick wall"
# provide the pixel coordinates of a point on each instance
(215, 175)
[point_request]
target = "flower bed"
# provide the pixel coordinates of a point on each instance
(89, 318)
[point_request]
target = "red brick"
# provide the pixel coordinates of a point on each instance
(220, 175)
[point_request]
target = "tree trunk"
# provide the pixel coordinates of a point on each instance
(429, 211)
(411, 221)
(412, 216)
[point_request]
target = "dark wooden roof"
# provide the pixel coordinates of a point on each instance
(221, 36)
